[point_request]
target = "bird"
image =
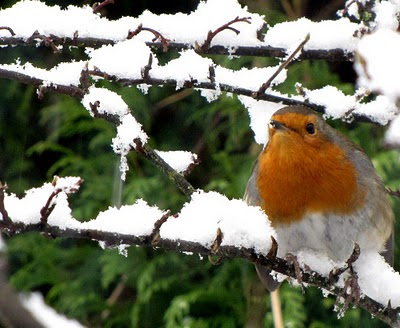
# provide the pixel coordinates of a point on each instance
(319, 190)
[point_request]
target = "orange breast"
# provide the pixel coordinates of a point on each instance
(295, 178)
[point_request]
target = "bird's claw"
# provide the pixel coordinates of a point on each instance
(291, 258)
(335, 274)
(353, 295)
(351, 283)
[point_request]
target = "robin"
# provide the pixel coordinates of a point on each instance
(320, 191)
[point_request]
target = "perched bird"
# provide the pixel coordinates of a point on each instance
(319, 190)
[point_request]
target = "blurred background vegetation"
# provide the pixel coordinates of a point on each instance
(154, 288)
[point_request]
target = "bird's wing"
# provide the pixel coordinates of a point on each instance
(252, 197)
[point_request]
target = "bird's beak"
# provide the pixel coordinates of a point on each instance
(276, 125)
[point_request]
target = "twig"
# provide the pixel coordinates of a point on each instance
(190, 168)
(115, 295)
(101, 5)
(114, 119)
(211, 34)
(178, 179)
(48, 42)
(5, 218)
(157, 35)
(9, 29)
(155, 235)
(283, 65)
(216, 260)
(146, 69)
(395, 193)
(48, 207)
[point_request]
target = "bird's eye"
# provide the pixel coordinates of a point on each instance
(310, 128)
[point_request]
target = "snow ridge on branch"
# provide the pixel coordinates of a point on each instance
(142, 225)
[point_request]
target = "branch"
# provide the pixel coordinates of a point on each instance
(101, 5)
(157, 35)
(267, 84)
(79, 93)
(212, 34)
(179, 180)
(261, 51)
(395, 193)
(111, 239)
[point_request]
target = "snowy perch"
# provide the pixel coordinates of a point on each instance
(209, 224)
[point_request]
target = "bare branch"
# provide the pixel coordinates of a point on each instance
(283, 65)
(260, 51)
(211, 34)
(101, 5)
(48, 41)
(5, 218)
(384, 313)
(79, 93)
(395, 193)
(157, 35)
(9, 29)
(176, 177)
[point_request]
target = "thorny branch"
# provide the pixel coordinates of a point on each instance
(211, 34)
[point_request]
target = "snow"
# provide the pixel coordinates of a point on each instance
(377, 279)
(260, 113)
(381, 110)
(386, 14)
(137, 219)
(66, 73)
(28, 16)
(124, 59)
(179, 160)
(241, 225)
(44, 314)
(336, 103)
(323, 35)
(127, 132)
(27, 209)
(193, 28)
(251, 79)
(392, 136)
(378, 67)
(109, 102)
(189, 66)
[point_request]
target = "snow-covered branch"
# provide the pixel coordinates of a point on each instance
(219, 234)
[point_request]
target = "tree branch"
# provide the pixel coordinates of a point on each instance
(111, 239)
(79, 93)
(159, 46)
